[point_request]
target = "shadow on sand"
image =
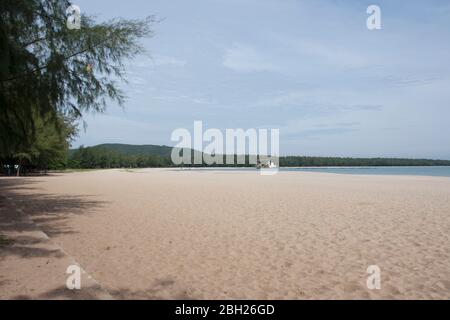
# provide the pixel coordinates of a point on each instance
(47, 212)
(93, 293)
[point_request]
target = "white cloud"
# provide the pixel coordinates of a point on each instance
(332, 55)
(320, 100)
(156, 60)
(244, 58)
(161, 60)
(183, 98)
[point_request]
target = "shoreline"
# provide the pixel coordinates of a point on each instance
(291, 169)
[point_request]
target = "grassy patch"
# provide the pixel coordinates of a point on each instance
(4, 241)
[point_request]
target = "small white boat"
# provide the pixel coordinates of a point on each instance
(272, 164)
(266, 165)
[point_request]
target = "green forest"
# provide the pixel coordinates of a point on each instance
(145, 156)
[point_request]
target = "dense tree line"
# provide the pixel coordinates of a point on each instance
(96, 158)
(127, 156)
(51, 141)
(293, 161)
(119, 156)
(50, 75)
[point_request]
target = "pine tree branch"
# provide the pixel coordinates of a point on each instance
(47, 65)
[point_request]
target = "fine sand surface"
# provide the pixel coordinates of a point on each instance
(170, 234)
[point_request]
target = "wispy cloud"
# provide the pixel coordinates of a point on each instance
(399, 81)
(183, 98)
(167, 61)
(299, 129)
(156, 60)
(319, 132)
(245, 58)
(319, 100)
(326, 53)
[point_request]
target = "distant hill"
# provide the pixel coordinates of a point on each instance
(143, 150)
(134, 150)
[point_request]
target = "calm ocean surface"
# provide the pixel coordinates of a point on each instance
(411, 171)
(436, 171)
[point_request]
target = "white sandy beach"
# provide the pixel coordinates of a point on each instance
(169, 234)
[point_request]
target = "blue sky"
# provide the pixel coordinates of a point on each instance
(310, 68)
